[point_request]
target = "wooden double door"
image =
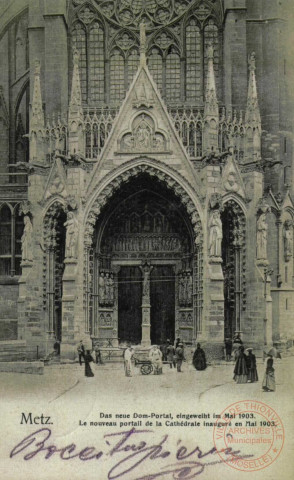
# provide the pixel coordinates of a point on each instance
(162, 301)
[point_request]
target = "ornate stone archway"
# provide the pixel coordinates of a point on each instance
(234, 265)
(53, 266)
(188, 203)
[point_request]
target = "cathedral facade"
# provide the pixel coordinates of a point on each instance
(146, 174)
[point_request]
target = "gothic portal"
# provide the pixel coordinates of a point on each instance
(146, 185)
(144, 259)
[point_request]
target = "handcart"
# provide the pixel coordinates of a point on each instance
(145, 366)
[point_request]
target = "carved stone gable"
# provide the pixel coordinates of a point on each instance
(143, 126)
(56, 184)
(231, 178)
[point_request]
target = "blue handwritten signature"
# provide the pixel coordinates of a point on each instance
(130, 450)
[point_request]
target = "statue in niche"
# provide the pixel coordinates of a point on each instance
(189, 288)
(101, 289)
(288, 240)
(107, 288)
(189, 319)
(261, 237)
(110, 289)
(147, 223)
(182, 284)
(26, 240)
(72, 232)
(143, 136)
(158, 224)
(215, 234)
(134, 224)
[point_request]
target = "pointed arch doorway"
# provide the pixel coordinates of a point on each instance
(233, 256)
(143, 244)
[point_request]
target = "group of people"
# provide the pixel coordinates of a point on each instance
(245, 370)
(86, 356)
(168, 353)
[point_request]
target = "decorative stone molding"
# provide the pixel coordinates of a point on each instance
(108, 191)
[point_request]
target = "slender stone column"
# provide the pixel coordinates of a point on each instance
(146, 306)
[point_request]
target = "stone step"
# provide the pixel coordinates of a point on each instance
(13, 350)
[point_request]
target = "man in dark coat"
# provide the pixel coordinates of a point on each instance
(199, 360)
(81, 351)
(179, 356)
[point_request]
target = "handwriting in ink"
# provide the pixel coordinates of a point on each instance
(132, 450)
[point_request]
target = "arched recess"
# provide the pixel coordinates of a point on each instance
(53, 265)
(234, 265)
(139, 194)
(21, 125)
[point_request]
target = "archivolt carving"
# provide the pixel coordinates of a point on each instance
(132, 172)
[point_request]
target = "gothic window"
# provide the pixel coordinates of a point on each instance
(155, 67)
(96, 62)
(133, 61)
(176, 53)
(173, 76)
(117, 76)
(11, 230)
(193, 66)
(79, 42)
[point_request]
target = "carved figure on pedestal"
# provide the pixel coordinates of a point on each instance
(111, 289)
(72, 232)
(26, 241)
(107, 288)
(182, 282)
(288, 240)
(261, 237)
(215, 234)
(189, 288)
(146, 269)
(101, 289)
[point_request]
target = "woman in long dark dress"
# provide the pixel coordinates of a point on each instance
(199, 360)
(88, 359)
(251, 366)
(269, 382)
(240, 370)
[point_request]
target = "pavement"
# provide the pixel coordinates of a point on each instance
(73, 400)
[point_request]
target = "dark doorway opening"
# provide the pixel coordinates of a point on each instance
(129, 304)
(162, 299)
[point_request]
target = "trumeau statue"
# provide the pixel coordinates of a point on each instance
(72, 233)
(26, 241)
(215, 234)
(261, 237)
